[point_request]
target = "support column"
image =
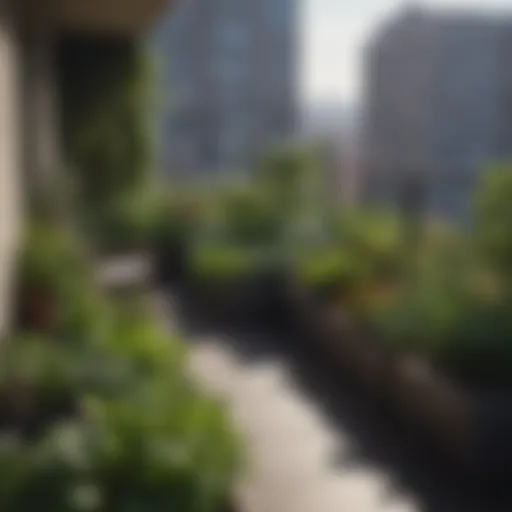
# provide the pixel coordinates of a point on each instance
(40, 99)
(10, 164)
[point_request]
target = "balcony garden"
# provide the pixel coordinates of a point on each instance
(97, 411)
(419, 311)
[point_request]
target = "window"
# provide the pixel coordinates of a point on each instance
(235, 34)
(232, 35)
(281, 11)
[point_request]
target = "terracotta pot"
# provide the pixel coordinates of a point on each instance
(39, 310)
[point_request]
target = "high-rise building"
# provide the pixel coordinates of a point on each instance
(438, 106)
(230, 74)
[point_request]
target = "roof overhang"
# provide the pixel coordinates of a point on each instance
(122, 17)
(111, 16)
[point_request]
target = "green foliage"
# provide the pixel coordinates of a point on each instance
(101, 413)
(365, 250)
(51, 257)
(287, 176)
(480, 352)
(145, 436)
(218, 264)
(249, 219)
(55, 273)
(127, 223)
(284, 167)
(330, 273)
(467, 336)
(425, 313)
(452, 309)
(107, 108)
(375, 238)
(178, 217)
(494, 219)
(453, 314)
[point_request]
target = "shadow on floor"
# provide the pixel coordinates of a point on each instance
(377, 440)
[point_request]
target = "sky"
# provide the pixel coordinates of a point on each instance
(334, 33)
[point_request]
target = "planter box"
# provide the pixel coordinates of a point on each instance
(323, 326)
(251, 299)
(171, 263)
(434, 406)
(124, 272)
(231, 302)
(473, 430)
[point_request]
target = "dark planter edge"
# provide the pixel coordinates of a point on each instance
(473, 431)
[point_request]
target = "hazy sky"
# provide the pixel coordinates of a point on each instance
(334, 31)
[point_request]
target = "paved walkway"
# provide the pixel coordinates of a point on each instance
(313, 447)
(290, 443)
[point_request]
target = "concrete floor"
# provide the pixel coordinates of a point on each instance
(314, 445)
(290, 443)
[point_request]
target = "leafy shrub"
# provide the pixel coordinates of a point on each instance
(249, 219)
(127, 223)
(136, 453)
(283, 173)
(98, 410)
(331, 274)
(53, 275)
(466, 337)
(452, 314)
(494, 219)
(107, 99)
(217, 264)
(363, 260)
(175, 222)
(375, 238)
(52, 257)
(480, 353)
(111, 424)
(423, 316)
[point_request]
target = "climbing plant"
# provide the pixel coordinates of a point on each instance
(106, 109)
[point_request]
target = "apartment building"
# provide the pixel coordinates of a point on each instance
(438, 106)
(230, 79)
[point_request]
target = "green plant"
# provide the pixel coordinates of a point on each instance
(53, 271)
(106, 107)
(107, 117)
(283, 173)
(217, 264)
(111, 424)
(51, 256)
(249, 219)
(494, 220)
(331, 273)
(451, 315)
(126, 223)
(138, 453)
(176, 219)
(362, 258)
(375, 238)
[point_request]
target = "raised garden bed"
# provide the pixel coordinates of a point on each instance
(471, 428)
(244, 299)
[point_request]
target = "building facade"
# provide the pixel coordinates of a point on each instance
(229, 76)
(437, 107)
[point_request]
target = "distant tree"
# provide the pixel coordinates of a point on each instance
(288, 176)
(284, 172)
